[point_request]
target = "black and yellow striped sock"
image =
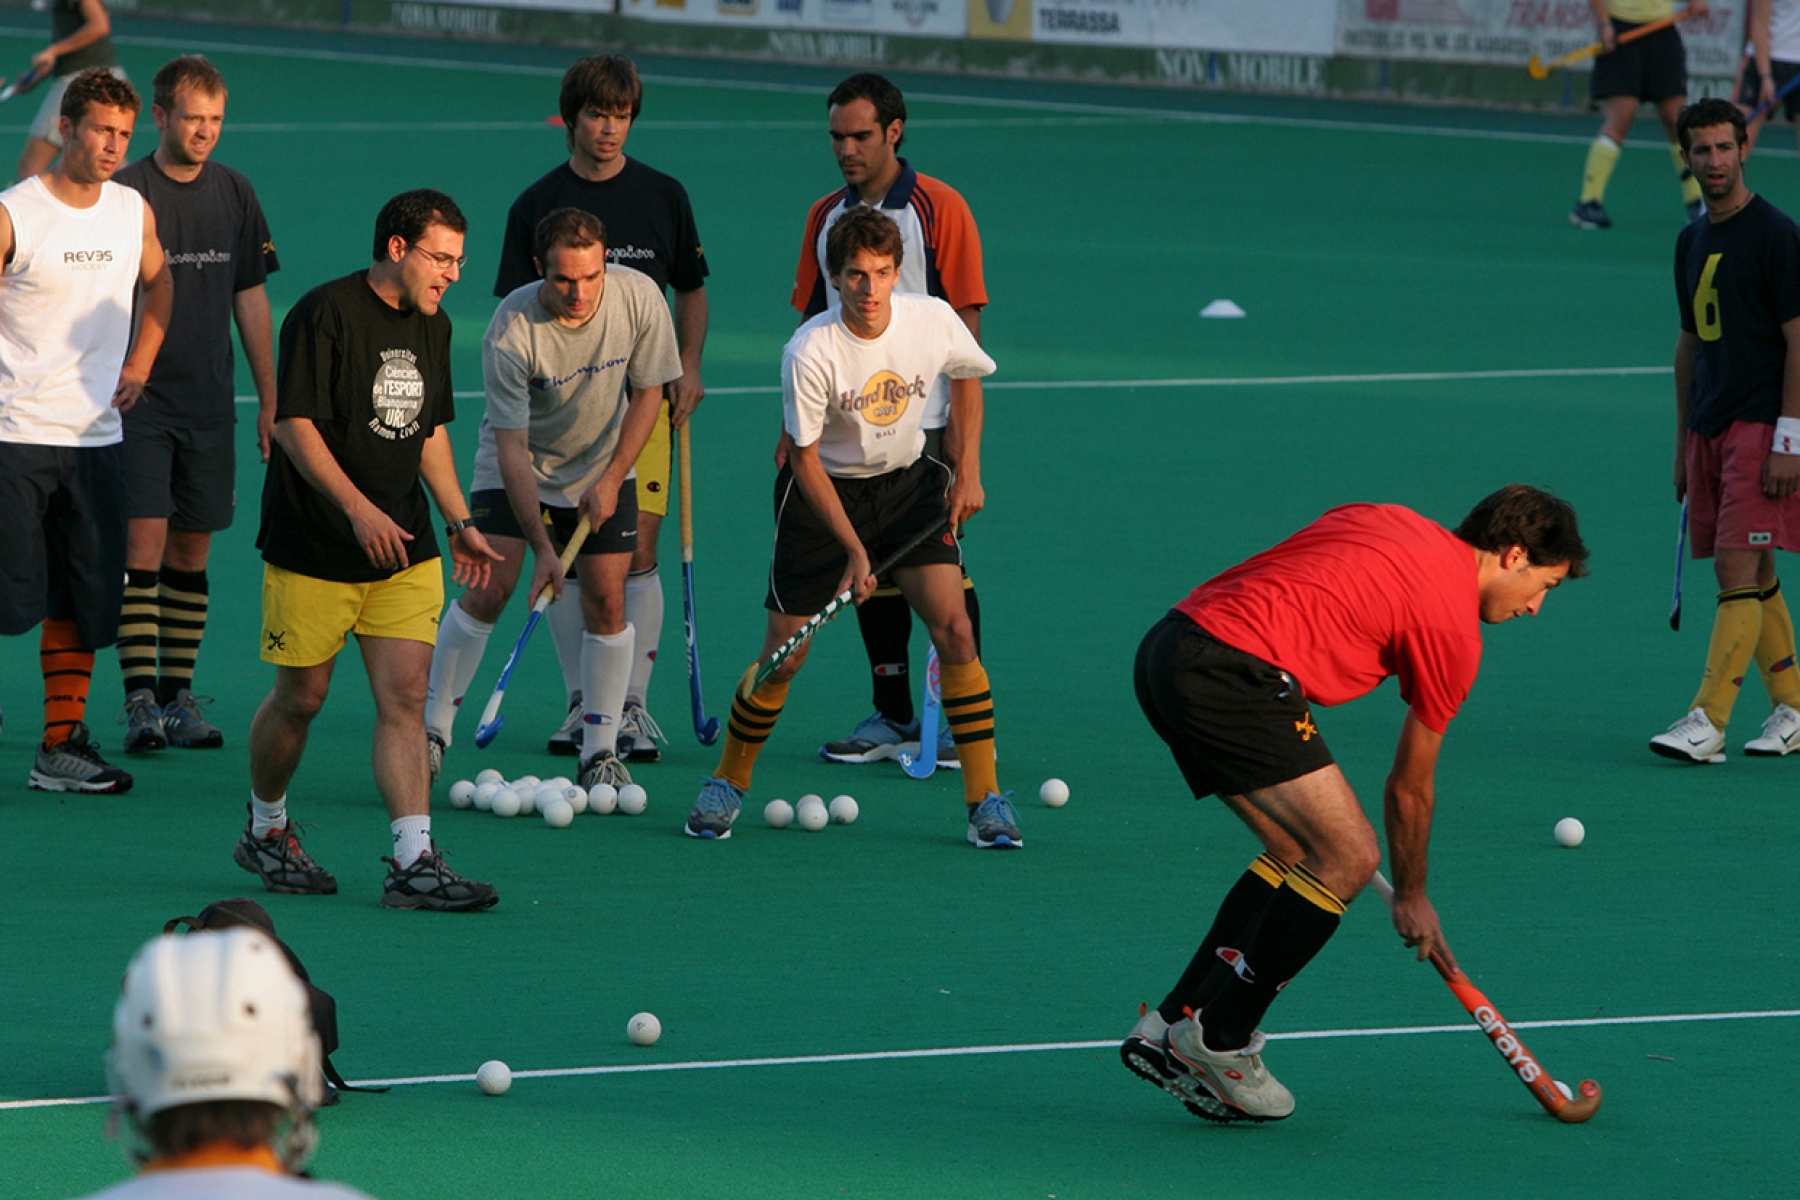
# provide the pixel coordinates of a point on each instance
(183, 596)
(1299, 920)
(969, 709)
(138, 622)
(749, 727)
(1775, 649)
(1737, 628)
(1231, 928)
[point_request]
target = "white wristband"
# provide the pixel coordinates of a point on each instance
(1787, 435)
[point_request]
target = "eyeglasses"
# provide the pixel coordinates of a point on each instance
(444, 261)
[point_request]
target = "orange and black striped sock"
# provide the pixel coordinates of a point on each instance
(138, 620)
(68, 668)
(1224, 942)
(751, 723)
(183, 597)
(969, 708)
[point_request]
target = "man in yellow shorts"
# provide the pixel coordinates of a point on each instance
(363, 397)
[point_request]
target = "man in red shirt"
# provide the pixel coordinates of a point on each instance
(1227, 678)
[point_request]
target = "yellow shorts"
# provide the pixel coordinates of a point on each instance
(653, 467)
(306, 620)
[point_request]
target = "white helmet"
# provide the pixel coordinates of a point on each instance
(215, 1015)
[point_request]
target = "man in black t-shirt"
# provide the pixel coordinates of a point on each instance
(650, 228)
(179, 450)
(1737, 449)
(363, 398)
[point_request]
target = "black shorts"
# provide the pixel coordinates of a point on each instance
(1750, 94)
(62, 544)
(493, 514)
(886, 511)
(1234, 722)
(1652, 68)
(188, 476)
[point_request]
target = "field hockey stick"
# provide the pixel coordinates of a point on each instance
(1572, 1109)
(1763, 108)
(763, 668)
(23, 83)
(491, 720)
(932, 711)
(705, 728)
(1541, 70)
(1680, 558)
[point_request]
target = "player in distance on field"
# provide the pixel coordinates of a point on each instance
(1737, 440)
(856, 381)
(1228, 679)
(575, 366)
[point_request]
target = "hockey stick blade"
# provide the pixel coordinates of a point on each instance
(1580, 1105)
(491, 720)
(925, 764)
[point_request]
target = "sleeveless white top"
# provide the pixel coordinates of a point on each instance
(66, 314)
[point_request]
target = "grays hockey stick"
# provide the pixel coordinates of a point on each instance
(705, 728)
(931, 713)
(491, 720)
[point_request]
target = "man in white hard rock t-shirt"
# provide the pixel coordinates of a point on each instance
(76, 248)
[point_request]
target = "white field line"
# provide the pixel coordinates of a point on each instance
(804, 1060)
(1240, 381)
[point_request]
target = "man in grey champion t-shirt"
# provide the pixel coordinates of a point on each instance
(574, 366)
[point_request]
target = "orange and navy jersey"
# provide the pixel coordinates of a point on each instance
(942, 248)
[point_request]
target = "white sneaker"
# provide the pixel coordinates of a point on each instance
(1692, 739)
(1780, 735)
(1223, 1085)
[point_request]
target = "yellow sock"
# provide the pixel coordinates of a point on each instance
(1690, 187)
(1602, 157)
(1736, 627)
(969, 708)
(751, 722)
(1775, 649)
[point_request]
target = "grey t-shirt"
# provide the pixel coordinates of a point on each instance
(570, 386)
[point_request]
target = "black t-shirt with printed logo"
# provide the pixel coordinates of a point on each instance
(376, 383)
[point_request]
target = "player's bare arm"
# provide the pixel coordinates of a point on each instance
(962, 447)
(95, 24)
(156, 302)
(1602, 23)
(472, 559)
(381, 539)
(691, 313)
(815, 484)
(512, 451)
(1407, 801)
(256, 330)
(1781, 472)
(1687, 353)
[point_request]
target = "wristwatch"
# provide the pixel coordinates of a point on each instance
(456, 527)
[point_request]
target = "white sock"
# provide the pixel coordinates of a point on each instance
(412, 837)
(605, 667)
(566, 630)
(266, 816)
(644, 610)
(461, 641)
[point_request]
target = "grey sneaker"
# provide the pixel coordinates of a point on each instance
(639, 735)
(434, 754)
(877, 738)
(604, 768)
(1223, 1085)
(283, 865)
(1143, 1054)
(185, 728)
(143, 722)
(74, 765)
(430, 883)
(566, 741)
(1589, 215)
(718, 806)
(993, 825)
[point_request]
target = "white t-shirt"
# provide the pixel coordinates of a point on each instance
(65, 314)
(863, 400)
(1784, 31)
(225, 1183)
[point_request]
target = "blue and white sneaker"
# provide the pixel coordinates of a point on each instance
(874, 740)
(718, 806)
(993, 825)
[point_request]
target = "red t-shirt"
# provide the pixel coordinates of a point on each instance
(1364, 592)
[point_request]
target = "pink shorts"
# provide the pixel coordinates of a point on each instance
(1727, 508)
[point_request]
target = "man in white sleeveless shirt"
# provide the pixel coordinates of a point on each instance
(75, 247)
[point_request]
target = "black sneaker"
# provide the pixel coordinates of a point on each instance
(75, 765)
(1589, 215)
(276, 856)
(430, 883)
(143, 722)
